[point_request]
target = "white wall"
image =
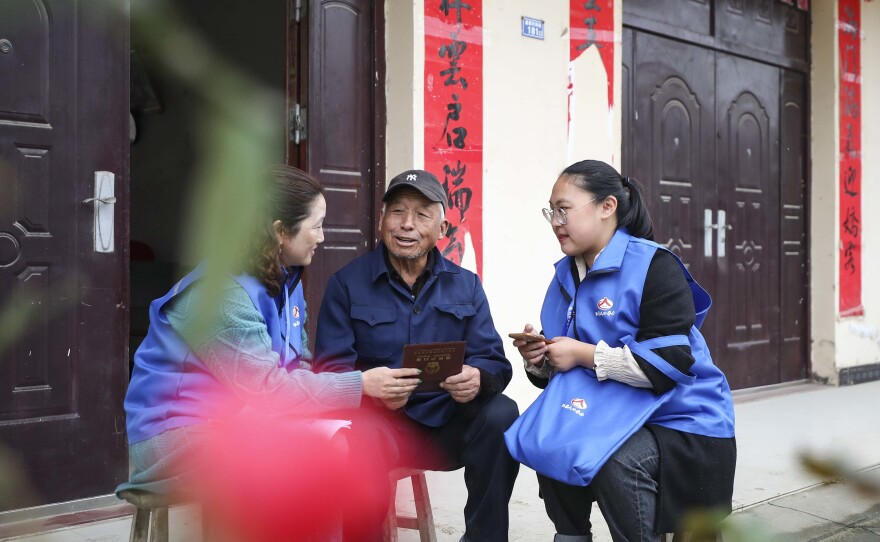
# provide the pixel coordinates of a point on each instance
(525, 118)
(840, 343)
(858, 339)
(823, 189)
(404, 87)
(526, 143)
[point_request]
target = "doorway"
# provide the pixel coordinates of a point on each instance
(323, 58)
(715, 128)
(336, 100)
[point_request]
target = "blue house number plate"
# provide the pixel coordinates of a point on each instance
(533, 28)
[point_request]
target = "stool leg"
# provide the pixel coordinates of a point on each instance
(140, 525)
(424, 513)
(159, 525)
(207, 534)
(390, 527)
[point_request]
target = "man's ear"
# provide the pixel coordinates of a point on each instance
(609, 206)
(444, 225)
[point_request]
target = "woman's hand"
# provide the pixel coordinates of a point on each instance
(566, 353)
(392, 386)
(533, 352)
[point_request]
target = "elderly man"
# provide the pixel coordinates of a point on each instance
(406, 292)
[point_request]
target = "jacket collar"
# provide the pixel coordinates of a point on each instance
(611, 257)
(291, 276)
(378, 267)
(609, 260)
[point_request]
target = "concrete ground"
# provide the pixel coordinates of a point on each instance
(775, 498)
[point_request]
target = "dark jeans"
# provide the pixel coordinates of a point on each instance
(475, 443)
(626, 489)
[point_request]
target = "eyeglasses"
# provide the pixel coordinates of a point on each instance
(560, 214)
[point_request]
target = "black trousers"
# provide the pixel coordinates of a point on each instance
(473, 439)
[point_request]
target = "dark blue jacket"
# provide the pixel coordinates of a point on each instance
(170, 386)
(605, 306)
(367, 317)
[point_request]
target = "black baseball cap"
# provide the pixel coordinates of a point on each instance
(426, 183)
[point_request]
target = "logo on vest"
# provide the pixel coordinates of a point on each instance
(605, 305)
(295, 311)
(577, 406)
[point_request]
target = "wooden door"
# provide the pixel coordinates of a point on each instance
(720, 143)
(793, 145)
(336, 80)
(673, 148)
(747, 289)
(63, 116)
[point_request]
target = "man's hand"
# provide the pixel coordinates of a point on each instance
(390, 385)
(464, 386)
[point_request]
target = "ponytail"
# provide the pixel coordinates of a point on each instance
(636, 218)
(602, 180)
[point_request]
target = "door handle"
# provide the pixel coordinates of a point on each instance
(708, 226)
(721, 239)
(722, 233)
(104, 205)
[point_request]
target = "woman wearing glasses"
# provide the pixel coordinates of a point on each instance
(614, 290)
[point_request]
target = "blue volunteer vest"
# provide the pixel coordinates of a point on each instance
(606, 307)
(170, 386)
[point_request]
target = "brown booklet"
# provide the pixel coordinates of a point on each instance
(438, 361)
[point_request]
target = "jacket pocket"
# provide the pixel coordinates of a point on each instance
(458, 310)
(373, 332)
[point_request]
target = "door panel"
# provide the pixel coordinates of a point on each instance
(670, 16)
(793, 249)
(748, 187)
(36, 249)
(341, 130)
(65, 117)
(673, 151)
(763, 27)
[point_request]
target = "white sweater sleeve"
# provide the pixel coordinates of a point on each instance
(619, 364)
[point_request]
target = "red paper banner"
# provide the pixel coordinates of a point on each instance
(454, 119)
(848, 29)
(592, 25)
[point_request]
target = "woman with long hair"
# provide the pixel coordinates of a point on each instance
(250, 355)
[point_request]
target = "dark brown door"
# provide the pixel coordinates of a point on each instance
(337, 83)
(793, 140)
(63, 116)
(747, 242)
(673, 149)
(703, 134)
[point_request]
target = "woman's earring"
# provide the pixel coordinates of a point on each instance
(279, 249)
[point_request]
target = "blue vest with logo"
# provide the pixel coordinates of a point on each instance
(605, 306)
(170, 386)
